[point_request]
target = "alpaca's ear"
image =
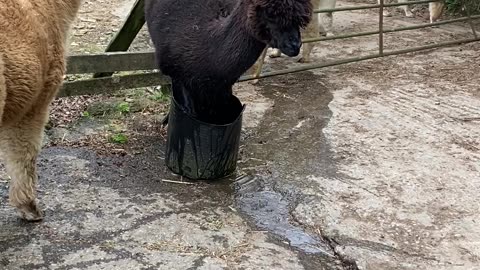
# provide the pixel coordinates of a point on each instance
(305, 10)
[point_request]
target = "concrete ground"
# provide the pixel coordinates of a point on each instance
(371, 165)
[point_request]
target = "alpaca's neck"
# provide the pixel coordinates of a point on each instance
(233, 45)
(66, 10)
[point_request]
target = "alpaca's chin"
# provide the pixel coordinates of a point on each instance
(290, 49)
(290, 52)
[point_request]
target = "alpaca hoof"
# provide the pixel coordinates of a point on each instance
(304, 60)
(387, 14)
(30, 212)
(409, 14)
(432, 20)
(254, 82)
(330, 34)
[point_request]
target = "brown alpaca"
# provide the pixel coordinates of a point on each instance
(32, 51)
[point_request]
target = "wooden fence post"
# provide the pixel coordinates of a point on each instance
(127, 33)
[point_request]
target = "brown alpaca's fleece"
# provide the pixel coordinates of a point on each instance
(32, 64)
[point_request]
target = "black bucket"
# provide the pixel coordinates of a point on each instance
(199, 150)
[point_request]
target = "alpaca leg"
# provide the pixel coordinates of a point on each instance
(310, 32)
(307, 49)
(3, 91)
(275, 53)
(430, 9)
(21, 144)
(406, 9)
(386, 13)
(328, 24)
(325, 19)
(435, 9)
(256, 69)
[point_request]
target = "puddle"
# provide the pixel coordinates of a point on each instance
(290, 140)
(270, 211)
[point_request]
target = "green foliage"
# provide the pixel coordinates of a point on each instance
(123, 107)
(160, 96)
(119, 138)
(86, 114)
(457, 6)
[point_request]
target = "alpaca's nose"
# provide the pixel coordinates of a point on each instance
(296, 43)
(293, 47)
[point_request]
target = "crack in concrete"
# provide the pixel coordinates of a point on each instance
(375, 246)
(347, 263)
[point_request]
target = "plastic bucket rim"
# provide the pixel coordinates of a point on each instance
(205, 179)
(210, 124)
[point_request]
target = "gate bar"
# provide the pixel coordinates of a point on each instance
(356, 59)
(371, 6)
(399, 29)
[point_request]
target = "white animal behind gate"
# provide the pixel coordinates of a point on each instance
(326, 27)
(435, 9)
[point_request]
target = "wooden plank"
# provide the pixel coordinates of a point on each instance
(109, 85)
(127, 33)
(110, 62)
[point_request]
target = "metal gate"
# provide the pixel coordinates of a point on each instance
(142, 63)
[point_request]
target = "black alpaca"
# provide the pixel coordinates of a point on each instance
(206, 45)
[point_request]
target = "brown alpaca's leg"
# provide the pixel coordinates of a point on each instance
(20, 145)
(311, 31)
(3, 91)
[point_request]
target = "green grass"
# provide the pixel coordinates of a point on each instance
(123, 107)
(86, 114)
(119, 138)
(160, 96)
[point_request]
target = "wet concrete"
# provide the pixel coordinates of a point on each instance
(270, 210)
(269, 195)
(95, 204)
(107, 211)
